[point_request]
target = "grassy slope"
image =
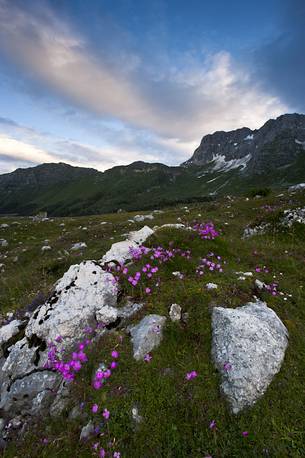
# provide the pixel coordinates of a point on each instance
(129, 189)
(176, 412)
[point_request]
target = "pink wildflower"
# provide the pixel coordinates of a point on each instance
(94, 408)
(106, 414)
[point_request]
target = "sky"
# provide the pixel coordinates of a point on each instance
(100, 83)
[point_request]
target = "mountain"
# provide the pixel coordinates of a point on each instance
(224, 163)
(279, 140)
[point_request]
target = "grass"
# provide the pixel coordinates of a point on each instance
(176, 413)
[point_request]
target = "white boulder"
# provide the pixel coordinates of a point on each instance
(248, 348)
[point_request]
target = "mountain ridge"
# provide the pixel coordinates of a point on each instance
(225, 162)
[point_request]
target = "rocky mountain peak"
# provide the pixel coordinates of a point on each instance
(283, 138)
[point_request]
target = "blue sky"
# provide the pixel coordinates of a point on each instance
(98, 83)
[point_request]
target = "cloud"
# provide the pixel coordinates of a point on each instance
(175, 104)
(20, 150)
(22, 146)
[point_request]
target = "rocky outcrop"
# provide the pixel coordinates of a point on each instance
(120, 251)
(86, 296)
(297, 215)
(83, 292)
(248, 348)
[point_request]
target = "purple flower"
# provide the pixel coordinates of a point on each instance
(212, 424)
(106, 414)
(97, 384)
(102, 453)
(227, 366)
(116, 455)
(115, 354)
(191, 375)
(147, 358)
(94, 408)
(245, 433)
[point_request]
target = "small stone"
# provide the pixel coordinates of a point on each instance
(87, 431)
(175, 312)
(78, 246)
(211, 286)
(135, 415)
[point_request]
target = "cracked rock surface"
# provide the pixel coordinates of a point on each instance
(248, 348)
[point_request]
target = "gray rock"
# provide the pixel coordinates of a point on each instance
(3, 243)
(87, 431)
(129, 309)
(30, 394)
(175, 312)
(256, 230)
(107, 314)
(135, 415)
(78, 246)
(248, 348)
(147, 335)
(293, 216)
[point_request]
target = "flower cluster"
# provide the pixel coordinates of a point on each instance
(104, 373)
(206, 231)
(272, 288)
(138, 252)
(158, 255)
(211, 262)
(69, 368)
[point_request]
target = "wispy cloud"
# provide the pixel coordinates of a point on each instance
(164, 110)
(181, 101)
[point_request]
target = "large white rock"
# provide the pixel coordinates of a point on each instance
(248, 348)
(82, 292)
(120, 251)
(140, 236)
(147, 335)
